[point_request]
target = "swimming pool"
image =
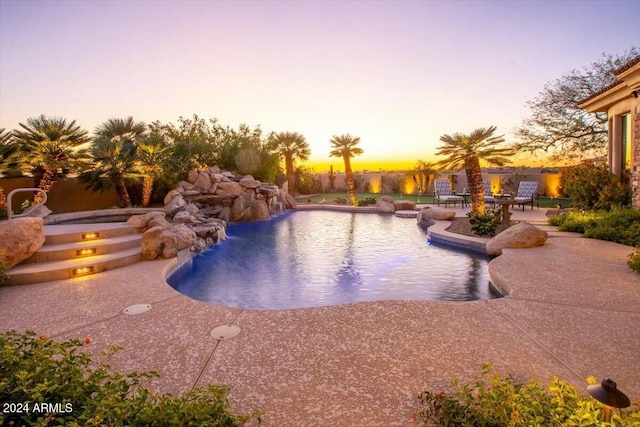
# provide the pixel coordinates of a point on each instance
(321, 258)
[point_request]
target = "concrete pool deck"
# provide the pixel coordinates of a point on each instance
(573, 311)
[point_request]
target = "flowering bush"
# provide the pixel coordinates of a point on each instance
(44, 382)
(593, 187)
(498, 401)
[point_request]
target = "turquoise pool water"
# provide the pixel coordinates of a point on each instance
(320, 258)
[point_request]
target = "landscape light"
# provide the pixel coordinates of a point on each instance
(608, 394)
(90, 236)
(83, 271)
(86, 251)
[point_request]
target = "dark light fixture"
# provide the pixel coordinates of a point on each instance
(608, 394)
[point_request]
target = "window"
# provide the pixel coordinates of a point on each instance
(626, 142)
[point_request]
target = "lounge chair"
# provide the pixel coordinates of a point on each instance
(444, 193)
(488, 195)
(527, 193)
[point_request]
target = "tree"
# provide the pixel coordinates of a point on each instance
(466, 152)
(113, 159)
(558, 125)
(290, 146)
(8, 149)
(345, 146)
(49, 147)
(422, 174)
(151, 154)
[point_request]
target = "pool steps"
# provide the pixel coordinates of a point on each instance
(75, 250)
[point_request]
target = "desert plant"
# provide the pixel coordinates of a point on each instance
(634, 260)
(594, 187)
(367, 201)
(290, 146)
(502, 401)
(38, 370)
(484, 223)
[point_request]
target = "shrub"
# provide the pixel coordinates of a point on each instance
(498, 401)
(341, 201)
(575, 221)
(634, 260)
(484, 224)
(593, 187)
(620, 225)
(367, 201)
(37, 370)
(3, 277)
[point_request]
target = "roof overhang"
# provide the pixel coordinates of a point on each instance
(629, 82)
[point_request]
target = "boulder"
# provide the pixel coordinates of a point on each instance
(210, 232)
(158, 221)
(170, 195)
(404, 205)
(166, 242)
(174, 205)
(19, 239)
(386, 205)
(151, 243)
(289, 201)
(257, 211)
(192, 209)
(192, 176)
(208, 199)
(237, 208)
(184, 185)
(229, 189)
(225, 214)
(521, 235)
(268, 190)
(182, 216)
(203, 182)
(142, 221)
(214, 170)
(428, 213)
(249, 182)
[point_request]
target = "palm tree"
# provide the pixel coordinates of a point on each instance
(152, 152)
(50, 147)
(8, 149)
(113, 159)
(345, 146)
(114, 153)
(422, 173)
(467, 151)
(290, 146)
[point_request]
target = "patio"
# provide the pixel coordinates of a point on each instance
(573, 311)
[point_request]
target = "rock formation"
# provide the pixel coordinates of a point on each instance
(19, 239)
(428, 213)
(521, 235)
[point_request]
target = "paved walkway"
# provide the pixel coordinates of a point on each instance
(573, 311)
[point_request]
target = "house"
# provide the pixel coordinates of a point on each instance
(621, 102)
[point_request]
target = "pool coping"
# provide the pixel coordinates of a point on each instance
(331, 365)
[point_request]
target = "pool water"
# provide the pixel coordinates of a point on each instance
(321, 258)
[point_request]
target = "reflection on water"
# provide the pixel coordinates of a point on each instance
(319, 258)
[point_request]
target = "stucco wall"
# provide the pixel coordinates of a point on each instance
(67, 195)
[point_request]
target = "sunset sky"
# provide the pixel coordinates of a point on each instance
(397, 74)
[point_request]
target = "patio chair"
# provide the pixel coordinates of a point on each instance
(444, 193)
(488, 195)
(527, 193)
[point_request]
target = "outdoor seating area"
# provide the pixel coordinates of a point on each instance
(444, 193)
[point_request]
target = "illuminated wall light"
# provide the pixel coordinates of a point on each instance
(409, 186)
(86, 251)
(375, 184)
(90, 236)
(81, 271)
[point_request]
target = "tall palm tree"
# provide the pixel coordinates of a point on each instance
(50, 147)
(152, 153)
(467, 151)
(123, 128)
(422, 174)
(114, 159)
(345, 146)
(290, 146)
(8, 149)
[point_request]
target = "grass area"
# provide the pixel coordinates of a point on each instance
(545, 202)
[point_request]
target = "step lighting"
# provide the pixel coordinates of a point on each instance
(90, 236)
(83, 271)
(86, 251)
